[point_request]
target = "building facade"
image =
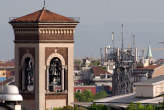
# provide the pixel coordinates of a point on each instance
(44, 48)
(81, 89)
(148, 72)
(150, 88)
(101, 77)
(7, 69)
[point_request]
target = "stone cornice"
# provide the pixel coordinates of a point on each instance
(45, 25)
(44, 30)
(44, 41)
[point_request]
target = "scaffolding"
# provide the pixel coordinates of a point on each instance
(125, 60)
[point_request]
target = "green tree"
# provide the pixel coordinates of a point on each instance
(101, 94)
(98, 107)
(78, 96)
(95, 63)
(79, 108)
(85, 96)
(58, 109)
(149, 107)
(88, 96)
(140, 106)
(132, 106)
(68, 108)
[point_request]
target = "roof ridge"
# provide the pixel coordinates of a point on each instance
(41, 14)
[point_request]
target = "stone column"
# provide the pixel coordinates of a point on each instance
(47, 80)
(23, 80)
(63, 69)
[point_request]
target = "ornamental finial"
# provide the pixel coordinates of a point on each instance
(44, 5)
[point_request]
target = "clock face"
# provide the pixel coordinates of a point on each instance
(30, 88)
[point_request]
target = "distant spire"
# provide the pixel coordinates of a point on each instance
(149, 53)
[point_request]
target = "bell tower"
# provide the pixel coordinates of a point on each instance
(44, 49)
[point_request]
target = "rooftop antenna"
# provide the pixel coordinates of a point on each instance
(134, 42)
(122, 45)
(101, 55)
(113, 40)
(131, 36)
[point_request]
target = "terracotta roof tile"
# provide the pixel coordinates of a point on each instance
(150, 67)
(43, 16)
(7, 64)
(98, 70)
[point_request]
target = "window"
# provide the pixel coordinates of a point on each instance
(102, 76)
(55, 70)
(78, 90)
(108, 76)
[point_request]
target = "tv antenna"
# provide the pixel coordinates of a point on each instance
(122, 43)
(113, 40)
(134, 42)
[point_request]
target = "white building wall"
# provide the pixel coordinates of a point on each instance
(150, 90)
(144, 91)
(159, 89)
(50, 104)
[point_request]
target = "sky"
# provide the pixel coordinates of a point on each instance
(98, 19)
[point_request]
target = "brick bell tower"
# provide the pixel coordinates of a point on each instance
(44, 50)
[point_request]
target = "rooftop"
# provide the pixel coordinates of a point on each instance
(98, 70)
(7, 64)
(149, 67)
(152, 81)
(124, 100)
(43, 16)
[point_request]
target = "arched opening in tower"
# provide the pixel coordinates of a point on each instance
(28, 75)
(55, 75)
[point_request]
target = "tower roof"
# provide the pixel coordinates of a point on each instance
(43, 16)
(149, 53)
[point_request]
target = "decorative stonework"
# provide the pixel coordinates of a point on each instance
(56, 96)
(44, 25)
(53, 55)
(25, 30)
(60, 50)
(56, 31)
(43, 34)
(25, 50)
(45, 30)
(56, 37)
